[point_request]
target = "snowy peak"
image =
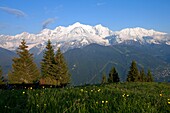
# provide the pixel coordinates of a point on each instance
(79, 35)
(139, 32)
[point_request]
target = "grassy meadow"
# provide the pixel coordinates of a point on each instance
(108, 98)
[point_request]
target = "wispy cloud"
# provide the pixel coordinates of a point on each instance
(12, 11)
(100, 3)
(47, 22)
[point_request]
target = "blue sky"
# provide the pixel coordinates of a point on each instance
(32, 15)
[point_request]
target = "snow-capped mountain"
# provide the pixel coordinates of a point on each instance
(79, 35)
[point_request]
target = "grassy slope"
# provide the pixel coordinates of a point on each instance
(110, 98)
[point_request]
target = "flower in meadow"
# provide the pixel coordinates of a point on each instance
(91, 90)
(127, 95)
(30, 87)
(123, 95)
(99, 90)
(168, 99)
(161, 95)
(102, 102)
(23, 92)
(168, 102)
(81, 90)
(106, 101)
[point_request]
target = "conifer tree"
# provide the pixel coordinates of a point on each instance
(149, 76)
(142, 75)
(104, 78)
(63, 75)
(113, 76)
(24, 70)
(47, 61)
(133, 73)
(1, 77)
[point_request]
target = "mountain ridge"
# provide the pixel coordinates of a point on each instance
(79, 35)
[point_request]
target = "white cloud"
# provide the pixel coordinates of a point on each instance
(15, 12)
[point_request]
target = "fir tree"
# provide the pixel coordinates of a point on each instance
(24, 70)
(133, 74)
(62, 73)
(47, 61)
(1, 77)
(142, 75)
(149, 76)
(113, 76)
(104, 78)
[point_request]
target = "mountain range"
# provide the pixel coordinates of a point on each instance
(80, 35)
(92, 50)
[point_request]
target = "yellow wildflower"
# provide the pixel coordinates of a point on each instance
(161, 95)
(123, 95)
(81, 90)
(102, 102)
(168, 99)
(168, 102)
(106, 101)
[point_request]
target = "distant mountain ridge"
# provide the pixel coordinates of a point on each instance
(79, 35)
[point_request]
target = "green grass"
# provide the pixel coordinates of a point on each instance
(109, 98)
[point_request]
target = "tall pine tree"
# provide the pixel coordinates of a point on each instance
(24, 70)
(104, 78)
(142, 75)
(47, 66)
(63, 75)
(133, 74)
(113, 76)
(149, 76)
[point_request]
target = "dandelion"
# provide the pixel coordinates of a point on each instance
(161, 95)
(81, 90)
(102, 102)
(98, 90)
(168, 102)
(123, 95)
(23, 92)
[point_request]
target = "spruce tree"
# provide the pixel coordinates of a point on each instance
(62, 73)
(104, 78)
(47, 66)
(47, 61)
(133, 73)
(113, 76)
(149, 76)
(24, 70)
(142, 75)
